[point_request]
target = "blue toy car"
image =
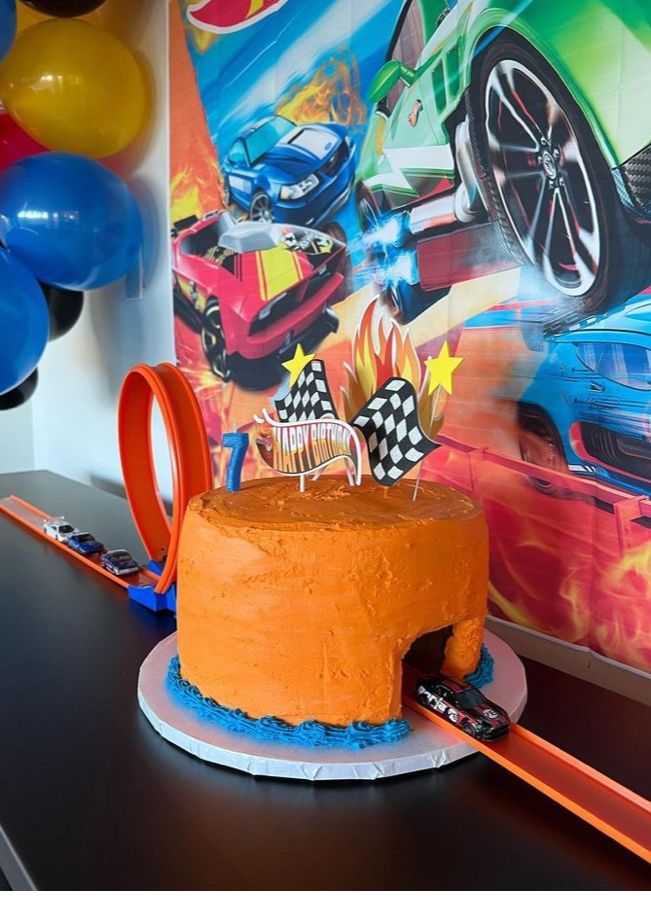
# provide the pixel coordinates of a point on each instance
(282, 172)
(588, 408)
(84, 543)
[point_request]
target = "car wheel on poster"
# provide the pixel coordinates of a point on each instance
(612, 262)
(184, 309)
(261, 209)
(213, 341)
(540, 444)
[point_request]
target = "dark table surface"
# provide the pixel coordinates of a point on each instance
(91, 797)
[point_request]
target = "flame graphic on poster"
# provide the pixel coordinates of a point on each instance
(332, 95)
(195, 181)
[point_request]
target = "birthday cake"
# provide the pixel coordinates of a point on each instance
(302, 606)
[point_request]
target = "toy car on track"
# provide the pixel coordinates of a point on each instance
(85, 543)
(255, 290)
(587, 410)
(463, 705)
(278, 171)
(489, 118)
(119, 562)
(58, 529)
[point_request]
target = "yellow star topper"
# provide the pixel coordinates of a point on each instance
(298, 363)
(440, 370)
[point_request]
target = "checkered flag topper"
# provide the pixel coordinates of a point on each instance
(309, 397)
(389, 423)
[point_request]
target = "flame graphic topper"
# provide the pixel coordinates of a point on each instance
(380, 350)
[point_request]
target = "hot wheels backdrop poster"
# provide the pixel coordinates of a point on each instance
(371, 178)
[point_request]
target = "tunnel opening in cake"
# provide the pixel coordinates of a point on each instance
(427, 653)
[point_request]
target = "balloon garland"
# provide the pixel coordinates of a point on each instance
(74, 87)
(20, 393)
(7, 25)
(24, 322)
(14, 142)
(64, 8)
(70, 95)
(64, 308)
(69, 219)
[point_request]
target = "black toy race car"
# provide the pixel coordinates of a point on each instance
(464, 706)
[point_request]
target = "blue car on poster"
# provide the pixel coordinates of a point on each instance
(588, 408)
(278, 171)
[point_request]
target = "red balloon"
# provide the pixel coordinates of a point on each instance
(15, 143)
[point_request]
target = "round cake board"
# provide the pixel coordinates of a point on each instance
(426, 746)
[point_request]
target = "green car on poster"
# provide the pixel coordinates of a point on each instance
(532, 114)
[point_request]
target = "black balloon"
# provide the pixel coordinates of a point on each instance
(20, 393)
(65, 308)
(64, 8)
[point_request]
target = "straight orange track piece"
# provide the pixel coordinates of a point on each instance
(610, 807)
(32, 517)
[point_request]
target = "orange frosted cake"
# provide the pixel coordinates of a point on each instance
(303, 605)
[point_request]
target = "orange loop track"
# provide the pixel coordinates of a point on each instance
(190, 457)
(610, 807)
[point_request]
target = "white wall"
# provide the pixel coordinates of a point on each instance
(16, 439)
(74, 409)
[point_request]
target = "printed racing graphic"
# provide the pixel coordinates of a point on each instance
(224, 16)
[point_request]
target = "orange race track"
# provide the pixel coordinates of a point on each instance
(191, 475)
(608, 806)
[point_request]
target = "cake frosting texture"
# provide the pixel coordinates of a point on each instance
(302, 606)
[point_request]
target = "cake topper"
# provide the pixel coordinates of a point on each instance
(307, 436)
(304, 447)
(390, 395)
(238, 443)
(394, 438)
(297, 364)
(309, 395)
(439, 371)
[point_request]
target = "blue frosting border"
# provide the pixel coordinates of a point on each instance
(484, 672)
(310, 733)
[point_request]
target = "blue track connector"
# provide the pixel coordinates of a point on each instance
(154, 601)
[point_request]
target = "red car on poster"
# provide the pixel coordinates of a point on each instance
(255, 290)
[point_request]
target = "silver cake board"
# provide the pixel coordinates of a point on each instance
(426, 746)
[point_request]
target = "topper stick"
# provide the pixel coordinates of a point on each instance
(413, 497)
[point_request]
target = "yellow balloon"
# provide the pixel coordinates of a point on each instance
(74, 87)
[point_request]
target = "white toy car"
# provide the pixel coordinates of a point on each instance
(58, 529)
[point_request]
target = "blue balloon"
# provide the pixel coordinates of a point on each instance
(70, 220)
(24, 322)
(7, 25)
